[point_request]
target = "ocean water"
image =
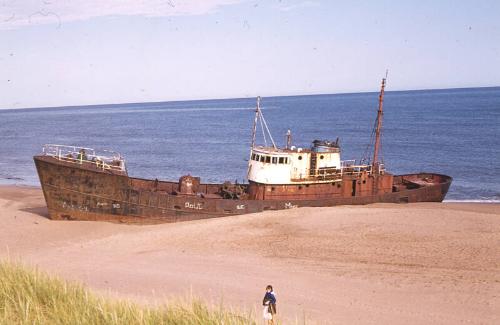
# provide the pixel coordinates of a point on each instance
(454, 132)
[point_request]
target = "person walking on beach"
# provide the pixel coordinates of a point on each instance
(269, 304)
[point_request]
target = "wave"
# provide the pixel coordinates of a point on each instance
(473, 201)
(12, 178)
(142, 110)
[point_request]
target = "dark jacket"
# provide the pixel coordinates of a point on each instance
(269, 297)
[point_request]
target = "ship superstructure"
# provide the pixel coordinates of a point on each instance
(320, 163)
(292, 172)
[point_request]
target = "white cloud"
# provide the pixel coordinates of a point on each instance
(297, 5)
(18, 13)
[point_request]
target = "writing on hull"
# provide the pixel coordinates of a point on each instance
(194, 206)
(289, 205)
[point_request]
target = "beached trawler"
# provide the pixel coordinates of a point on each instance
(82, 184)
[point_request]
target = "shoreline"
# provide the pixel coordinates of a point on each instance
(384, 263)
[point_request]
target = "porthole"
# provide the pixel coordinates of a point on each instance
(300, 157)
(321, 157)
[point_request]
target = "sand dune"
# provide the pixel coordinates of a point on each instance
(406, 264)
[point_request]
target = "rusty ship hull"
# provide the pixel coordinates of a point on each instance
(84, 191)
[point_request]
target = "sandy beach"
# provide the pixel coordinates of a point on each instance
(377, 264)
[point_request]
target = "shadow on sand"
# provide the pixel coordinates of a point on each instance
(41, 211)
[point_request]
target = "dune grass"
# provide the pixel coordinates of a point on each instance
(32, 297)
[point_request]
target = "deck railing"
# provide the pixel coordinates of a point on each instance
(349, 167)
(102, 159)
(320, 174)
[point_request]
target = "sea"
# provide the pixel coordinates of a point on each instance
(452, 131)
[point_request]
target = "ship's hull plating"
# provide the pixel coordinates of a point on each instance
(73, 192)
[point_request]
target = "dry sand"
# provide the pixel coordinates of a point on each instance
(398, 264)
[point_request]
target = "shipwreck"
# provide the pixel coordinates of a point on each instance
(84, 184)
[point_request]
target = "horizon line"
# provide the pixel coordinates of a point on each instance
(234, 98)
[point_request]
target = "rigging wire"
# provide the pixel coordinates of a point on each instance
(268, 132)
(368, 152)
(262, 128)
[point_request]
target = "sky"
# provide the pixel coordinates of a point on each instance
(74, 52)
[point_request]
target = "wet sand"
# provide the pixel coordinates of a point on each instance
(399, 264)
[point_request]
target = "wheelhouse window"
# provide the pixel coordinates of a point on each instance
(270, 159)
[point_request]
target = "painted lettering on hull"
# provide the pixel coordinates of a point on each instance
(194, 206)
(71, 206)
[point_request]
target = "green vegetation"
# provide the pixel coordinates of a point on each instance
(32, 297)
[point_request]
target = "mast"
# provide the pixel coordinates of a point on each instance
(263, 125)
(378, 129)
(254, 130)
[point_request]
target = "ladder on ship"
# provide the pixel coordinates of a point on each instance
(313, 164)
